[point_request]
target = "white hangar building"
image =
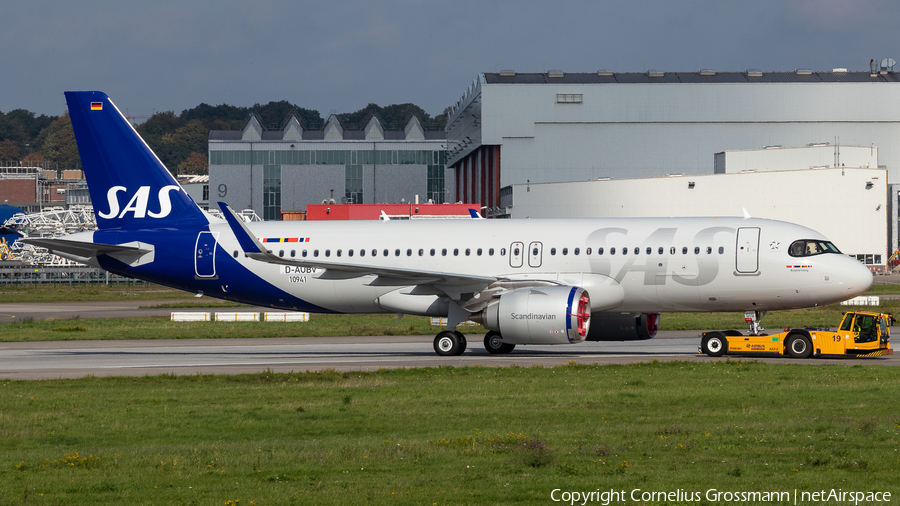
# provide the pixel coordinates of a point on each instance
(511, 128)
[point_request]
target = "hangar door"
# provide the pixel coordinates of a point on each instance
(747, 250)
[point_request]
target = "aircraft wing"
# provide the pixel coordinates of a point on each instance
(450, 283)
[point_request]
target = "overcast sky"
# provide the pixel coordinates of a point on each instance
(341, 55)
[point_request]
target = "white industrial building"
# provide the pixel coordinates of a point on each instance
(811, 156)
(850, 206)
(511, 128)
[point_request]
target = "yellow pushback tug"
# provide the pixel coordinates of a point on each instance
(861, 334)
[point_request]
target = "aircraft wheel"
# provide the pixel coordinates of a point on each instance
(462, 341)
(798, 346)
(714, 345)
(494, 345)
(448, 343)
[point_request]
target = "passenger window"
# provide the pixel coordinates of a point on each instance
(721, 250)
(338, 252)
(456, 252)
(649, 250)
(303, 253)
(478, 252)
(661, 250)
(491, 252)
(516, 252)
(503, 252)
(587, 251)
(444, 252)
(315, 253)
(577, 251)
(672, 250)
(235, 253)
(468, 251)
(328, 252)
(385, 252)
(637, 251)
(600, 251)
(612, 251)
(684, 250)
(552, 251)
(565, 251)
(349, 253)
(696, 250)
(709, 250)
(421, 252)
(409, 252)
(396, 252)
(624, 251)
(293, 253)
(432, 251)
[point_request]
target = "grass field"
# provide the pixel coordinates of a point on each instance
(450, 436)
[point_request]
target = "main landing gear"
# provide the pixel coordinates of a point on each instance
(449, 343)
(493, 344)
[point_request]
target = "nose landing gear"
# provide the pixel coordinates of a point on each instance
(754, 319)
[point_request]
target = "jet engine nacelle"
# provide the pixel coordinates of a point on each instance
(544, 315)
(623, 327)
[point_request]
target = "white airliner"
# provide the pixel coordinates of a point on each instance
(527, 281)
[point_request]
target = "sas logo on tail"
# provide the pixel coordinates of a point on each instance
(138, 202)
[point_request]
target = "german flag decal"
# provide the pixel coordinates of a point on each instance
(96, 106)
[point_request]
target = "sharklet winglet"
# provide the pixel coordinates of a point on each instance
(248, 243)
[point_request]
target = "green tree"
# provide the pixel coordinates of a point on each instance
(273, 115)
(220, 117)
(58, 144)
(9, 150)
(195, 163)
(156, 127)
(175, 147)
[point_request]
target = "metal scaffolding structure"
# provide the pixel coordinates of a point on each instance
(57, 221)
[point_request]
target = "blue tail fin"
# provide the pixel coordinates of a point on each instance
(129, 186)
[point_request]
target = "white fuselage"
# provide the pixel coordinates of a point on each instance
(658, 264)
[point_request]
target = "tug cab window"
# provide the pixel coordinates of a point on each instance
(810, 247)
(864, 326)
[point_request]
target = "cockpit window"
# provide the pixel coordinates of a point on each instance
(810, 247)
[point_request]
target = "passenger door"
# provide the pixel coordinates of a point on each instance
(747, 250)
(205, 254)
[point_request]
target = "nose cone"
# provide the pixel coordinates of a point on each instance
(855, 277)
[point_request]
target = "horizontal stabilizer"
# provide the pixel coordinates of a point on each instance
(87, 252)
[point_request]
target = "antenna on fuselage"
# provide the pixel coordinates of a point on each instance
(746, 214)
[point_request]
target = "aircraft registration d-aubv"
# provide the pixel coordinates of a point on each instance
(527, 281)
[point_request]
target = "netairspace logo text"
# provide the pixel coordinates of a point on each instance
(607, 497)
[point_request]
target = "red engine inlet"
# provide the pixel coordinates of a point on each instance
(583, 315)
